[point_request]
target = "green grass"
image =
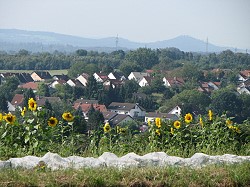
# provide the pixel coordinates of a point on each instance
(220, 175)
(52, 72)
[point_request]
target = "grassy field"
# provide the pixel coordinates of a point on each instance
(52, 72)
(223, 175)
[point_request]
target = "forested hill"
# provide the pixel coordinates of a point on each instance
(37, 41)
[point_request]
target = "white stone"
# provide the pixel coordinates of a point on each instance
(27, 162)
(5, 164)
(77, 162)
(54, 161)
(155, 159)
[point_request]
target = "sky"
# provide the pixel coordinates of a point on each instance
(224, 22)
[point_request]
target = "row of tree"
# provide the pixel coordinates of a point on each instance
(136, 60)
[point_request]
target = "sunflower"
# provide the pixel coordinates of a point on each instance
(23, 111)
(9, 118)
(32, 104)
(158, 122)
(188, 118)
(172, 131)
(67, 116)
(52, 122)
(122, 130)
(210, 115)
(229, 122)
(1, 117)
(106, 128)
(158, 132)
(177, 124)
(201, 122)
(149, 122)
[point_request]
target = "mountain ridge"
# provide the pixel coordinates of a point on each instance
(22, 39)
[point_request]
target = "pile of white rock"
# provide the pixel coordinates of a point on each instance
(54, 161)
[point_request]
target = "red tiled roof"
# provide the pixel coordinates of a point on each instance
(17, 100)
(30, 85)
(85, 107)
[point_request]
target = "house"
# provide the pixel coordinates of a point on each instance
(165, 116)
(137, 76)
(244, 75)
(11, 108)
(40, 75)
(85, 101)
(30, 85)
(132, 109)
(74, 83)
(208, 87)
(176, 110)
(83, 78)
(120, 120)
(24, 77)
(17, 100)
(86, 107)
(115, 119)
(57, 82)
(100, 77)
(243, 90)
(41, 100)
(3, 77)
(145, 81)
(173, 82)
(115, 83)
(116, 76)
(60, 77)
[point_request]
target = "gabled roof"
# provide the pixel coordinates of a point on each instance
(17, 100)
(139, 75)
(118, 119)
(85, 107)
(148, 79)
(245, 73)
(24, 77)
(162, 115)
(123, 106)
(118, 75)
(86, 101)
(109, 115)
(61, 77)
(85, 75)
(41, 101)
(177, 81)
(102, 76)
(43, 74)
(30, 85)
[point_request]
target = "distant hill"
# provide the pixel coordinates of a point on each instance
(37, 41)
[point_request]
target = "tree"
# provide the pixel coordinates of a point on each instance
(189, 101)
(245, 106)
(9, 87)
(95, 120)
(3, 103)
(157, 85)
(127, 67)
(80, 124)
(130, 87)
(91, 88)
(81, 52)
(43, 90)
(144, 57)
(226, 102)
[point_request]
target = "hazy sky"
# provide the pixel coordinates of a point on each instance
(224, 22)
